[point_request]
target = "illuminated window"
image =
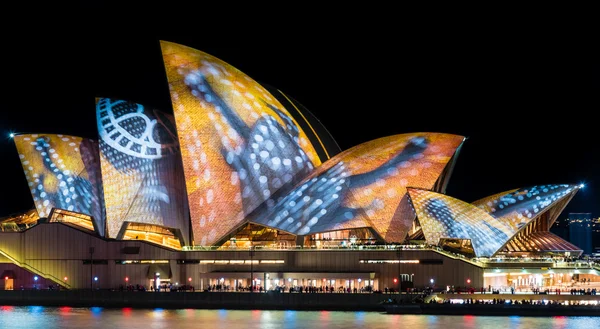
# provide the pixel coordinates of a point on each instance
(389, 261)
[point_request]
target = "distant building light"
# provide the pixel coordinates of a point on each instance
(95, 278)
(35, 278)
(11, 135)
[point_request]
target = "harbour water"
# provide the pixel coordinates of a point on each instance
(96, 317)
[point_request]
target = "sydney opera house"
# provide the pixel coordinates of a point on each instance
(241, 185)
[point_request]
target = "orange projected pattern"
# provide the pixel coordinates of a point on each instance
(141, 169)
(444, 217)
(63, 172)
(239, 144)
(487, 202)
(364, 186)
(519, 207)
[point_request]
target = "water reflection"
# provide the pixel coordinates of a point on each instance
(359, 317)
(96, 311)
(35, 309)
(97, 317)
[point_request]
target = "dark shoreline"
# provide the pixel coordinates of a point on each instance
(196, 300)
(275, 301)
(493, 310)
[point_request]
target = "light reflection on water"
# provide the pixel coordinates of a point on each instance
(97, 317)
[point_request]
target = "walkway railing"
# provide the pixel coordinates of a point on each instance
(312, 248)
(577, 264)
(391, 247)
(414, 247)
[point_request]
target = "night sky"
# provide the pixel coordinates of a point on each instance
(527, 110)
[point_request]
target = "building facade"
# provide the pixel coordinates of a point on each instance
(244, 187)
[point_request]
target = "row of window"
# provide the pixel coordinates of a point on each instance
(261, 261)
(186, 261)
(403, 261)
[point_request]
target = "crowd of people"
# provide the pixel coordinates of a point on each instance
(500, 301)
(292, 289)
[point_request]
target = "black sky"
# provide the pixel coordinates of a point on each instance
(528, 111)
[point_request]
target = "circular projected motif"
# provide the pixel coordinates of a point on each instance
(125, 127)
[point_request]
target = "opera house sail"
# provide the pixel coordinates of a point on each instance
(364, 186)
(63, 172)
(239, 144)
(141, 167)
(514, 221)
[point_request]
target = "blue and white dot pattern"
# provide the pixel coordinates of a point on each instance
(63, 172)
(265, 157)
(324, 201)
(443, 217)
(520, 207)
